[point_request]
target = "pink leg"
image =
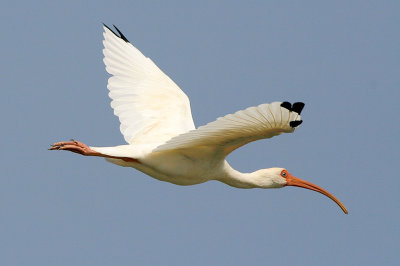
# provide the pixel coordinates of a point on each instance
(81, 148)
(74, 146)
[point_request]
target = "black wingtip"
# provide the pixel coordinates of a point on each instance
(109, 29)
(287, 105)
(120, 33)
(295, 123)
(122, 36)
(298, 107)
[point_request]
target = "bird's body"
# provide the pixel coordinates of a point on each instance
(163, 166)
(163, 142)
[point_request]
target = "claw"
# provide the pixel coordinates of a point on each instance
(54, 147)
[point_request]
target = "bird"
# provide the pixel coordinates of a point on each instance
(162, 140)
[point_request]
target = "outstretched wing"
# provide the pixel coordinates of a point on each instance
(235, 130)
(151, 107)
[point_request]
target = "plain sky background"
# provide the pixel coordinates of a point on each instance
(342, 58)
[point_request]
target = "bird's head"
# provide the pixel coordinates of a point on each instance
(280, 177)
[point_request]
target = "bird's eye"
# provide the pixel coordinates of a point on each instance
(283, 173)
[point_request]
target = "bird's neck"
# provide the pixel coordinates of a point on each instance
(237, 179)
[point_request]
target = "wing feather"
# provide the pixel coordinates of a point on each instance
(235, 130)
(150, 106)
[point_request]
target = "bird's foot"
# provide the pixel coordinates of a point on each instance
(74, 146)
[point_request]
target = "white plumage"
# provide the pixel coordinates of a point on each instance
(157, 124)
(234, 130)
(150, 106)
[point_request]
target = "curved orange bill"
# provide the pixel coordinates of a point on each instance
(297, 182)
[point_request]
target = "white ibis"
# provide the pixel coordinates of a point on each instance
(157, 124)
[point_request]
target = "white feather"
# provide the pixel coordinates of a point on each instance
(234, 130)
(151, 107)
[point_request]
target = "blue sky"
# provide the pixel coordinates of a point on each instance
(340, 57)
